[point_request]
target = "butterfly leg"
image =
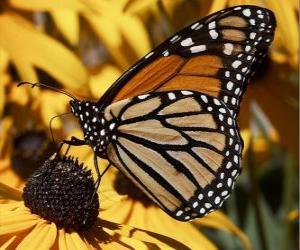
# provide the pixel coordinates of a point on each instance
(98, 173)
(74, 142)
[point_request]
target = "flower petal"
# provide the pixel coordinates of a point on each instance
(62, 244)
(37, 5)
(67, 21)
(41, 237)
(41, 51)
(14, 221)
(74, 241)
(140, 234)
(101, 81)
(8, 242)
(52, 104)
(7, 192)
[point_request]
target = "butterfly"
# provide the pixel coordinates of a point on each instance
(170, 122)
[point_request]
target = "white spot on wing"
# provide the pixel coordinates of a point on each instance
(171, 96)
(187, 42)
(247, 12)
(149, 55)
(212, 25)
(213, 34)
(199, 48)
(228, 48)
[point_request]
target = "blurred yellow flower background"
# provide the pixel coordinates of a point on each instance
(83, 47)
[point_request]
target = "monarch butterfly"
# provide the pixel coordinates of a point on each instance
(170, 122)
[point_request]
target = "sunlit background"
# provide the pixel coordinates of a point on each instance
(83, 46)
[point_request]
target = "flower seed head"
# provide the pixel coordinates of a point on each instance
(63, 192)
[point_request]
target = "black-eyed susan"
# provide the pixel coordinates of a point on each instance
(58, 209)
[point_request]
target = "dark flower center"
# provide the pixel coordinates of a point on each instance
(30, 151)
(125, 187)
(62, 191)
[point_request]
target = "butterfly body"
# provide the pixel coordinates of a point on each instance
(170, 122)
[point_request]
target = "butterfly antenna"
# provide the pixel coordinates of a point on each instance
(42, 85)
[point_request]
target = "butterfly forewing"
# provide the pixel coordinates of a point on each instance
(182, 148)
(215, 55)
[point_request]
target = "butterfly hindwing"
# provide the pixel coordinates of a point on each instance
(182, 148)
(215, 55)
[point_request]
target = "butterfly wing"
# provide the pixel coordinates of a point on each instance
(215, 55)
(182, 148)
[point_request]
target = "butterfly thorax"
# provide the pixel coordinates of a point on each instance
(95, 129)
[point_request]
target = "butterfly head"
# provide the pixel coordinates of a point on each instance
(92, 123)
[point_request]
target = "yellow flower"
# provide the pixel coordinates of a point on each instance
(50, 213)
(21, 151)
(27, 48)
(116, 29)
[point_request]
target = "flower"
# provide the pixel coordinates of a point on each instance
(58, 209)
(41, 51)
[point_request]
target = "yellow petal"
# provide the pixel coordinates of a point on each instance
(135, 6)
(10, 178)
(108, 33)
(4, 60)
(287, 24)
(293, 215)
(7, 192)
(62, 245)
(101, 81)
(217, 5)
(2, 97)
(53, 104)
(74, 241)
(7, 243)
(141, 234)
(118, 32)
(28, 47)
(41, 237)
(246, 135)
(67, 21)
(14, 222)
(37, 5)
(219, 221)
(18, 95)
(132, 29)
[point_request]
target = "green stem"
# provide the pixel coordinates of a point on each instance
(287, 199)
(255, 197)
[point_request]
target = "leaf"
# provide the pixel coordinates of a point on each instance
(29, 48)
(220, 221)
(67, 21)
(272, 228)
